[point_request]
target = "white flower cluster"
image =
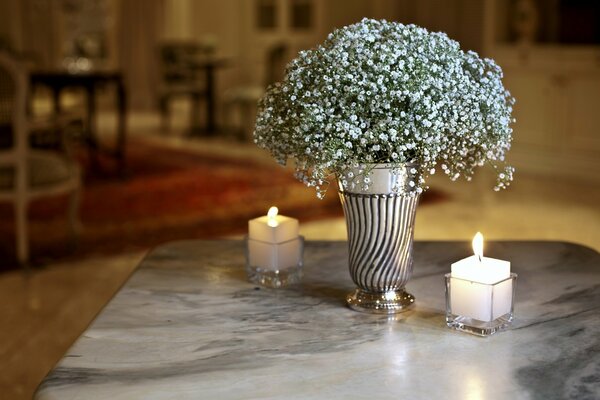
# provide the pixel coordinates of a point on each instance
(384, 92)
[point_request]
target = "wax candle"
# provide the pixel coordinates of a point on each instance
(481, 287)
(273, 228)
(273, 241)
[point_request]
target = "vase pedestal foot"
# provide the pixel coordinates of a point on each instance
(392, 302)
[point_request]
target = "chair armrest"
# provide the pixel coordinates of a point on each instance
(51, 121)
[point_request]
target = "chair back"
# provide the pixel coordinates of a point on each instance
(176, 60)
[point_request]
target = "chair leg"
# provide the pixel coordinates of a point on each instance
(195, 124)
(22, 237)
(163, 104)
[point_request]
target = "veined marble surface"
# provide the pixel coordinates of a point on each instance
(187, 325)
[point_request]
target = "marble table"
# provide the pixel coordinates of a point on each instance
(187, 325)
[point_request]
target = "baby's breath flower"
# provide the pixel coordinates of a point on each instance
(384, 92)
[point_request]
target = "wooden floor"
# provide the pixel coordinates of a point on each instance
(43, 311)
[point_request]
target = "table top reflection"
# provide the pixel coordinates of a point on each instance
(188, 325)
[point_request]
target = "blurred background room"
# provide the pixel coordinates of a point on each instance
(138, 117)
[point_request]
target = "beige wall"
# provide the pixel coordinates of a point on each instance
(10, 23)
(177, 19)
(339, 13)
(462, 20)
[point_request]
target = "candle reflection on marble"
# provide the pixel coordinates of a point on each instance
(480, 293)
(274, 250)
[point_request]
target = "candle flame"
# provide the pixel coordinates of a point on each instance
(272, 216)
(478, 245)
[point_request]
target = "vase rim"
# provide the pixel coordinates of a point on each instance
(384, 178)
(386, 165)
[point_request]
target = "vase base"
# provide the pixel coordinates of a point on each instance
(391, 302)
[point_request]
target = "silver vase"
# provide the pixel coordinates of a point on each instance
(380, 220)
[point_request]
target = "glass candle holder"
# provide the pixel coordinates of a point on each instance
(479, 308)
(274, 264)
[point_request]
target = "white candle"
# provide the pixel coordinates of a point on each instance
(480, 286)
(273, 228)
(273, 241)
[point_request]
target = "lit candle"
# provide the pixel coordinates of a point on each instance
(273, 228)
(273, 241)
(480, 286)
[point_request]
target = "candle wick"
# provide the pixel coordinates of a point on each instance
(480, 258)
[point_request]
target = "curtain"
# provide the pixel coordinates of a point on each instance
(140, 23)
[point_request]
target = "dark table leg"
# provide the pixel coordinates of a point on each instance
(90, 137)
(56, 99)
(210, 100)
(195, 125)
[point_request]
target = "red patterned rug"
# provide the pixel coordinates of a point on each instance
(168, 195)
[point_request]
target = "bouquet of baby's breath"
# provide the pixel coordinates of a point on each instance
(383, 92)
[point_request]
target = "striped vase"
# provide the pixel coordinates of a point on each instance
(380, 220)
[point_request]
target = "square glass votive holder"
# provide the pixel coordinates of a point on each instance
(274, 264)
(479, 308)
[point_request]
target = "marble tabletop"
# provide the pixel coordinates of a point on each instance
(187, 325)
